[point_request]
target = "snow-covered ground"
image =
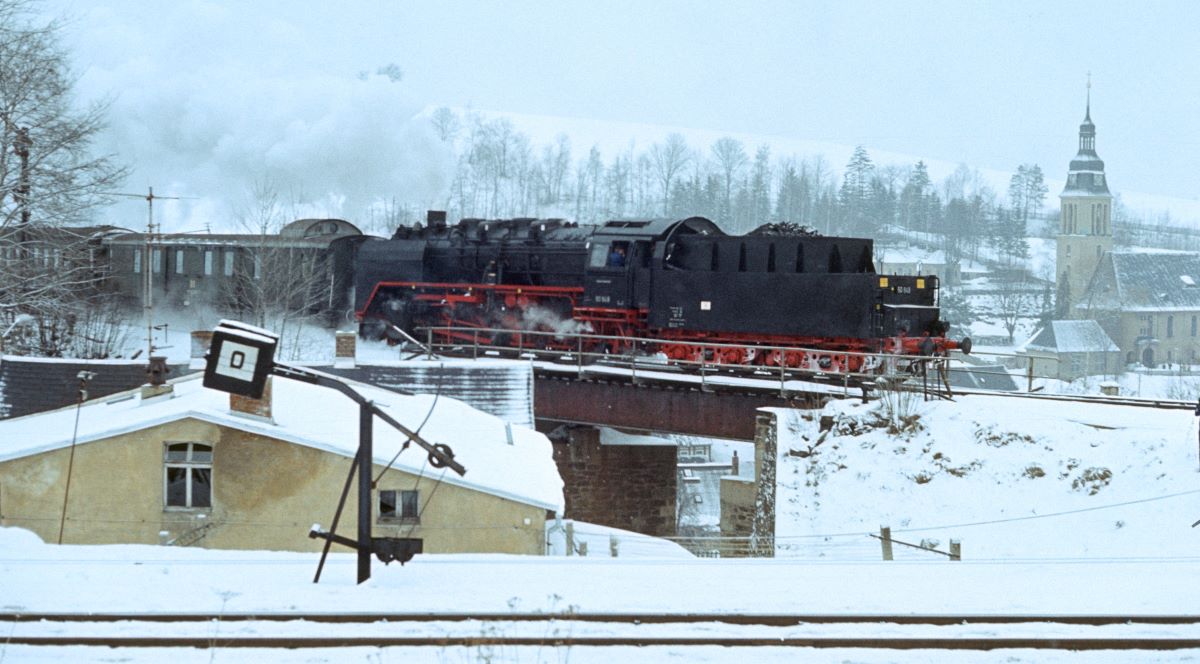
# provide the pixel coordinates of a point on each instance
(1060, 509)
(1012, 479)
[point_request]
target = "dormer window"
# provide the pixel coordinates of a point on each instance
(1099, 178)
(1071, 179)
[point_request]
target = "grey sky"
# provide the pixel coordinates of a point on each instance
(208, 93)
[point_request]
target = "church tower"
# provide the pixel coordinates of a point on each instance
(1085, 232)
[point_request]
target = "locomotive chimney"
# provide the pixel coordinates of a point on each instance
(435, 218)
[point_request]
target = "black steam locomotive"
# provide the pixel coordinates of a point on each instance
(777, 299)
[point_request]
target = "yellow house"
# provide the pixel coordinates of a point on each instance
(187, 465)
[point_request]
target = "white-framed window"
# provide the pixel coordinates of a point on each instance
(137, 261)
(257, 266)
(208, 262)
(399, 506)
(229, 262)
(156, 260)
(179, 261)
(187, 475)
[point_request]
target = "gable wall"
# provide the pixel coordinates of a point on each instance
(267, 493)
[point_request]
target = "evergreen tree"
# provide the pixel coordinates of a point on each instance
(914, 208)
(855, 193)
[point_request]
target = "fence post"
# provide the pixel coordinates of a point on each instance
(1030, 373)
(583, 548)
(955, 550)
(570, 538)
(612, 545)
(579, 353)
(429, 342)
(885, 538)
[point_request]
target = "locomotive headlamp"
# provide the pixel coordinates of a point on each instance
(920, 283)
(240, 359)
(883, 282)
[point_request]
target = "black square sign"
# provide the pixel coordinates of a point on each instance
(240, 359)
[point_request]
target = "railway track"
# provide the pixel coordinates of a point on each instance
(570, 630)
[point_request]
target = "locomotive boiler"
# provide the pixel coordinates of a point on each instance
(769, 298)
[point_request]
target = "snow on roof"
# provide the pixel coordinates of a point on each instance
(1072, 336)
(1142, 280)
(316, 417)
(893, 255)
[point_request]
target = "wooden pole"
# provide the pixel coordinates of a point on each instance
(570, 538)
(885, 538)
(955, 550)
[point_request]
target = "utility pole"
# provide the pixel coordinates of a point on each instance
(147, 263)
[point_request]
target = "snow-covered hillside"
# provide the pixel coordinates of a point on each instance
(1010, 478)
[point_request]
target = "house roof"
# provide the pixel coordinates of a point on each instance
(501, 388)
(314, 417)
(982, 377)
(1072, 336)
(35, 384)
(1146, 281)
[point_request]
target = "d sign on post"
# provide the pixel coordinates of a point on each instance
(240, 359)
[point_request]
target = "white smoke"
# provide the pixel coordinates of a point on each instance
(208, 100)
(538, 318)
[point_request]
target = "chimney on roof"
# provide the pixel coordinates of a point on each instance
(254, 407)
(201, 340)
(156, 378)
(344, 350)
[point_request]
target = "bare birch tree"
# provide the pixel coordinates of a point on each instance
(49, 179)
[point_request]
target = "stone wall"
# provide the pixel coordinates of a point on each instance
(630, 487)
(737, 515)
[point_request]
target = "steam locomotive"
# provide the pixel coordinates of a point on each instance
(773, 299)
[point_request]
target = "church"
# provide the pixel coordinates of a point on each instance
(1146, 300)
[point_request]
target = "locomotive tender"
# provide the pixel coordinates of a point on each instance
(682, 282)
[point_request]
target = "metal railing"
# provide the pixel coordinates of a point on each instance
(588, 350)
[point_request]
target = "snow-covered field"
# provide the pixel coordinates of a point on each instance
(1060, 509)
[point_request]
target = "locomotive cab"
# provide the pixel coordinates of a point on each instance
(617, 275)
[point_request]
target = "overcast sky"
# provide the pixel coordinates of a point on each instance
(208, 95)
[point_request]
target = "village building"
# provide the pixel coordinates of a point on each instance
(1149, 303)
(912, 260)
(1085, 228)
(183, 464)
(188, 270)
(1146, 301)
(1070, 349)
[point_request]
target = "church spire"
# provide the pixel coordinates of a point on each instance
(1087, 130)
(1087, 116)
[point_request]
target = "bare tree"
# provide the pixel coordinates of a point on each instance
(1014, 301)
(280, 283)
(49, 179)
(445, 123)
(669, 158)
(730, 157)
